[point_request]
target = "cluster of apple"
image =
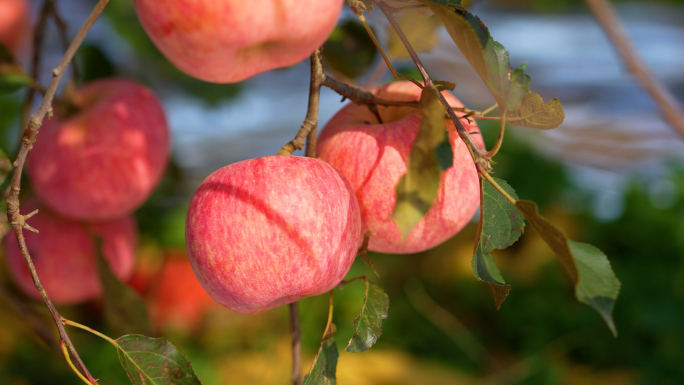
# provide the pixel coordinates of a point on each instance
(265, 232)
(90, 169)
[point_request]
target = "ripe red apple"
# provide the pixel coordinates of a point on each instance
(176, 298)
(14, 23)
(269, 231)
(227, 41)
(372, 155)
(64, 254)
(104, 161)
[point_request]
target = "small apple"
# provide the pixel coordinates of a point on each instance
(227, 41)
(269, 231)
(176, 298)
(64, 254)
(372, 155)
(103, 161)
(14, 23)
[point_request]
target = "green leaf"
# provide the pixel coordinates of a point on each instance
(588, 267)
(152, 361)
(490, 60)
(12, 78)
(418, 188)
(368, 325)
(418, 7)
(324, 368)
(501, 225)
(124, 311)
(94, 63)
(445, 154)
(532, 112)
(5, 54)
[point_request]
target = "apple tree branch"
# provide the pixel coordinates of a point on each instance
(18, 221)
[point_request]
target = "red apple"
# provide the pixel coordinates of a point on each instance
(176, 298)
(64, 254)
(269, 231)
(14, 23)
(104, 161)
(227, 41)
(372, 155)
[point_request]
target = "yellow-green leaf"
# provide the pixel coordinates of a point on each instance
(417, 189)
(533, 112)
(421, 32)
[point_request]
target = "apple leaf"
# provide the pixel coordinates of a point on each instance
(323, 371)
(490, 60)
(532, 112)
(445, 154)
(417, 189)
(124, 311)
(154, 361)
(12, 78)
(420, 31)
(418, 7)
(501, 225)
(368, 325)
(588, 267)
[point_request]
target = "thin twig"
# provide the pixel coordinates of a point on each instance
(296, 333)
(36, 55)
(362, 97)
(610, 21)
(499, 139)
(16, 220)
(478, 155)
(311, 121)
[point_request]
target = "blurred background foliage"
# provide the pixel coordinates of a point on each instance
(442, 326)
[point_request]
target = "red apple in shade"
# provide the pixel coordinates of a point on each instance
(269, 231)
(176, 299)
(14, 23)
(372, 155)
(103, 161)
(64, 254)
(227, 41)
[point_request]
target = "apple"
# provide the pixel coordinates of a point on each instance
(176, 298)
(227, 41)
(14, 23)
(265, 232)
(103, 161)
(372, 155)
(64, 254)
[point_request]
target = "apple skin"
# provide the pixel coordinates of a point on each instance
(373, 158)
(14, 23)
(227, 41)
(265, 232)
(64, 254)
(104, 161)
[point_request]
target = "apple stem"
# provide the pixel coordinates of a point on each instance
(296, 333)
(28, 138)
(478, 155)
(499, 139)
(311, 120)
